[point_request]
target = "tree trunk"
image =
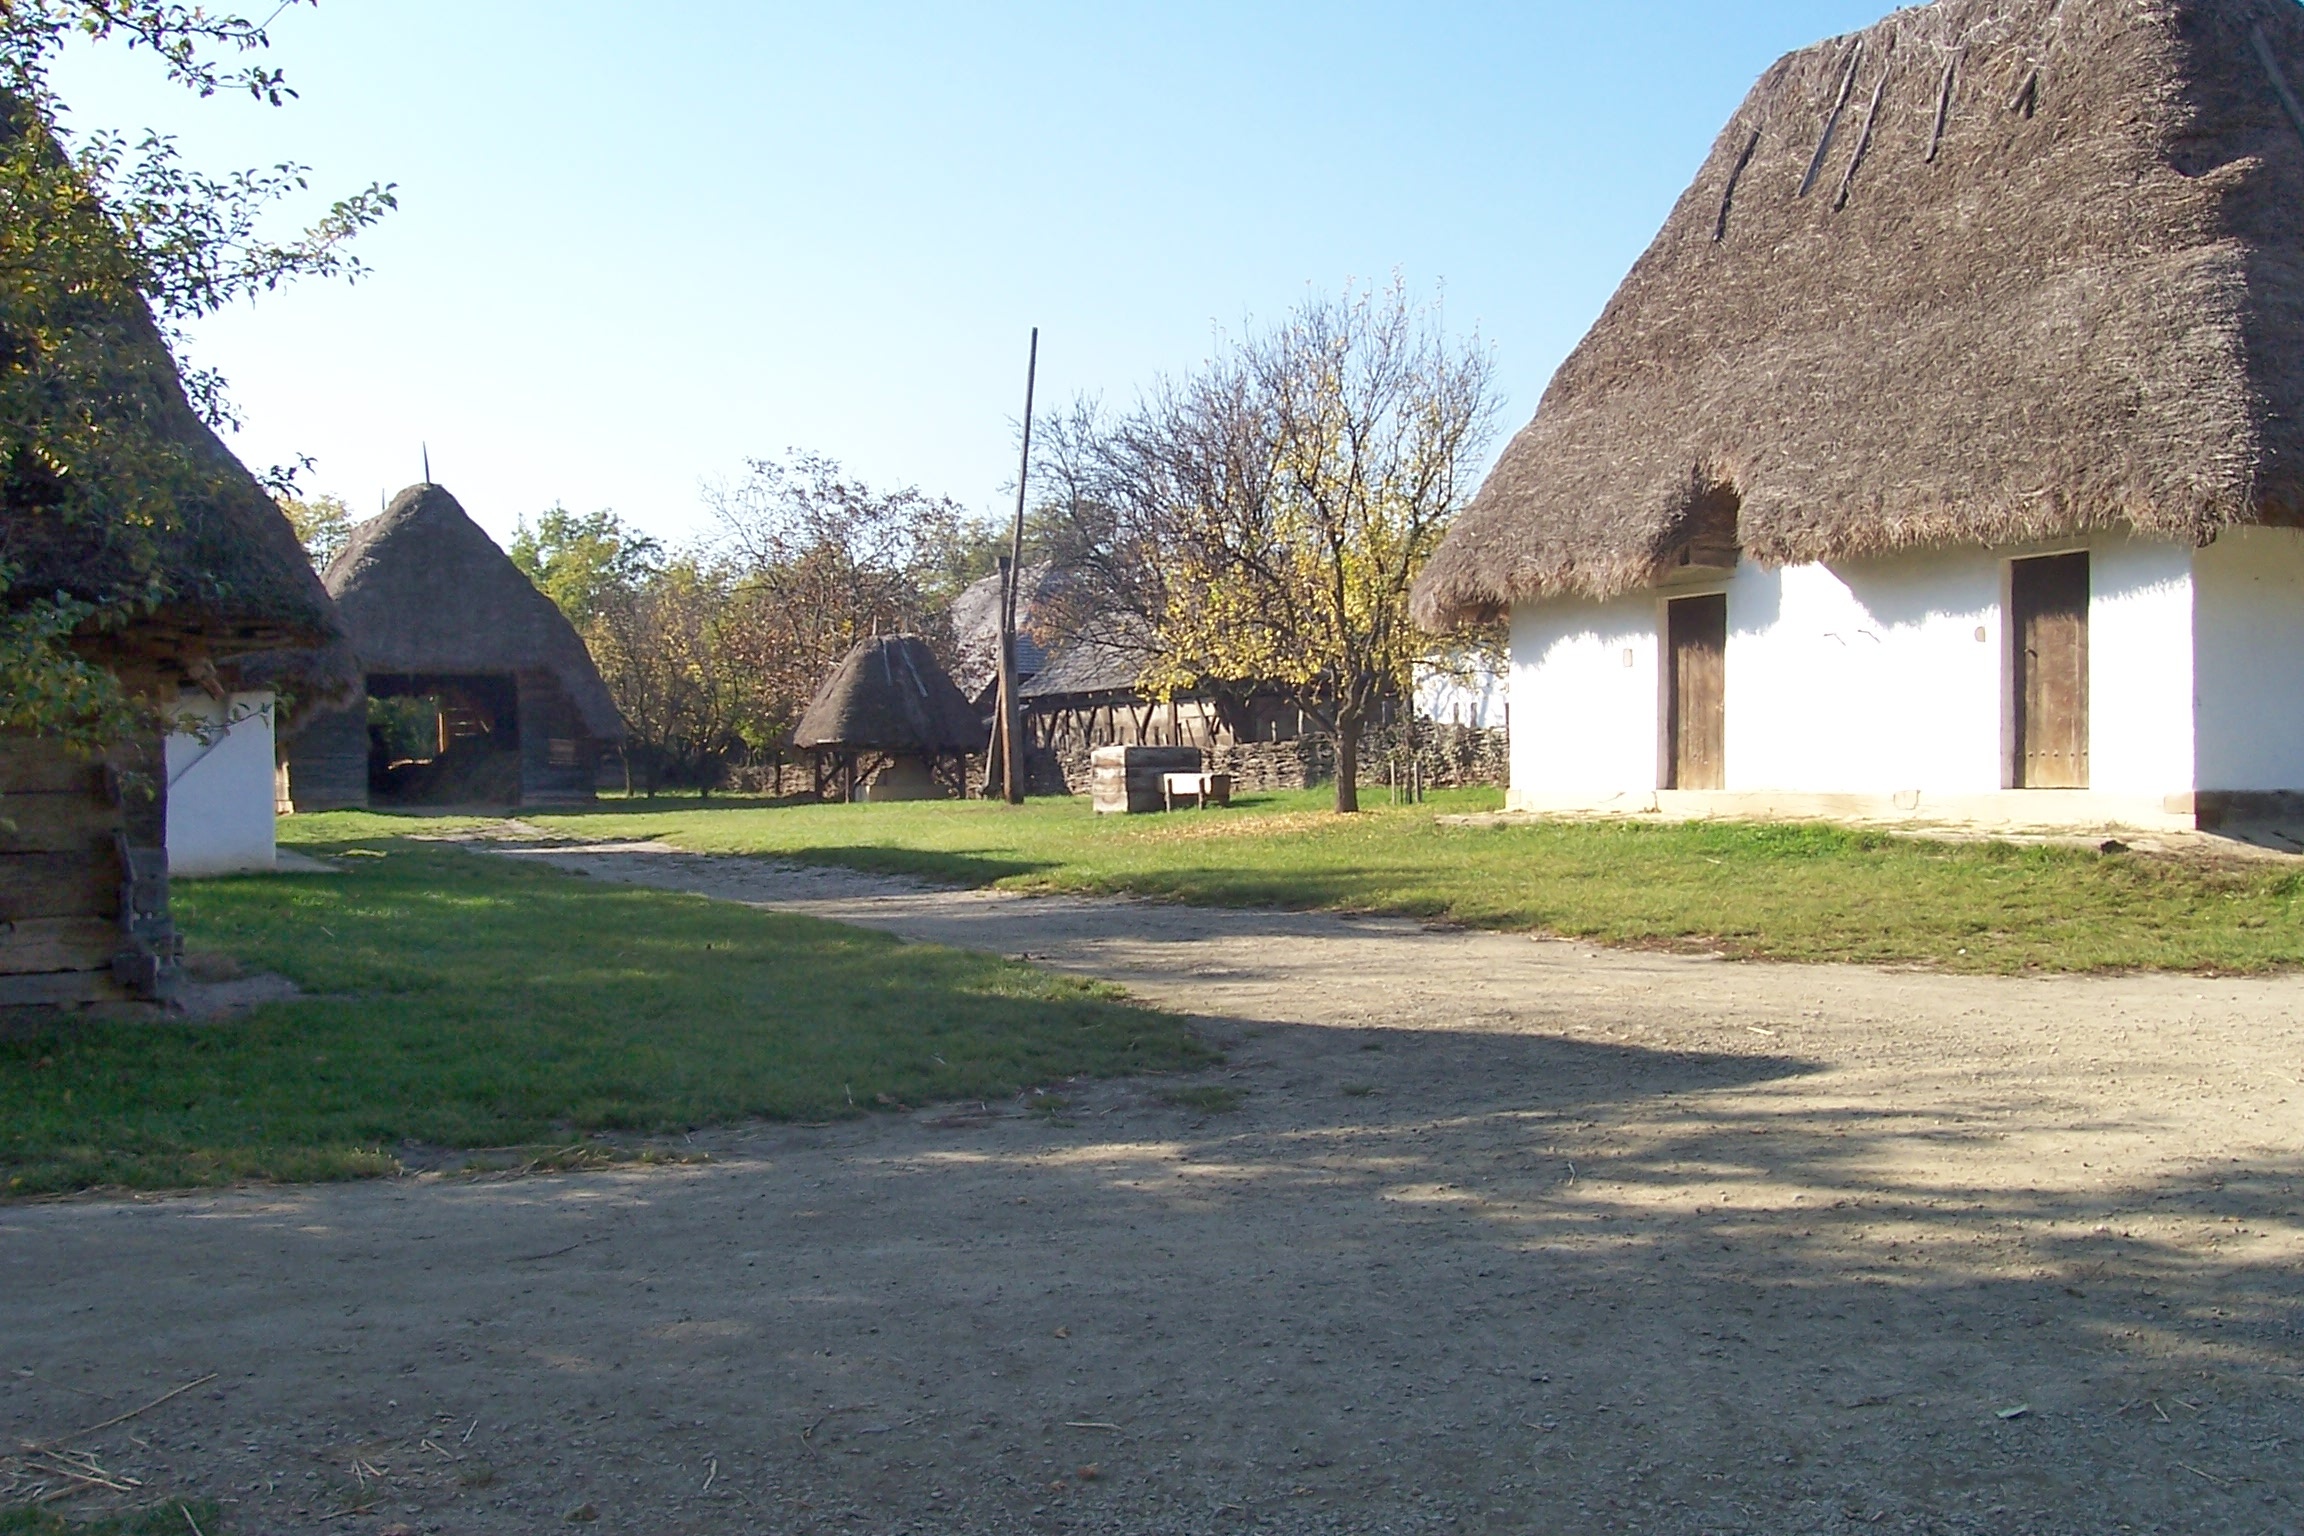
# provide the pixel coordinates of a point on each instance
(1347, 762)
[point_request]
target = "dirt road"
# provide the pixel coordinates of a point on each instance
(1504, 1235)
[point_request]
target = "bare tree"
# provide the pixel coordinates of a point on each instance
(1263, 518)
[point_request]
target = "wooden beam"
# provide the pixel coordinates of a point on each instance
(1728, 193)
(2288, 102)
(59, 944)
(1943, 104)
(35, 885)
(1864, 139)
(1832, 120)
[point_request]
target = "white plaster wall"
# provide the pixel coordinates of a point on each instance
(1866, 677)
(1584, 697)
(2248, 627)
(221, 788)
(2140, 727)
(1876, 677)
(1468, 692)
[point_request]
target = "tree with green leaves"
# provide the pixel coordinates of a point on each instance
(583, 562)
(323, 525)
(102, 240)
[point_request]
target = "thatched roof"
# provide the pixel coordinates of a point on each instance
(423, 589)
(1990, 271)
(234, 576)
(889, 694)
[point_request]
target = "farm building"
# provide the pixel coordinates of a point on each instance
(890, 724)
(975, 620)
(474, 687)
(1944, 455)
(85, 843)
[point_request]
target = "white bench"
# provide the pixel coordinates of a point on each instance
(1202, 789)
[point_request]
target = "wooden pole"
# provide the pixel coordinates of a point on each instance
(1004, 716)
(1012, 576)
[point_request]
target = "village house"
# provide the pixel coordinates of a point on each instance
(1943, 457)
(86, 842)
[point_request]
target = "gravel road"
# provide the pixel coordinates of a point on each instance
(1504, 1235)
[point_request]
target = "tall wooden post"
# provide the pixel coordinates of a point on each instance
(1011, 576)
(1005, 722)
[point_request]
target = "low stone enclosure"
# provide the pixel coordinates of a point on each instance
(1446, 757)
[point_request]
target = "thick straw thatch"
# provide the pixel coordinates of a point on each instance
(1990, 271)
(424, 590)
(889, 694)
(233, 575)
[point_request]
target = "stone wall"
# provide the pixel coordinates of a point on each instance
(1449, 757)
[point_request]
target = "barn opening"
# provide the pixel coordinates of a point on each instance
(438, 739)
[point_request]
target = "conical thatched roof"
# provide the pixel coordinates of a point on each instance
(890, 694)
(1989, 271)
(423, 589)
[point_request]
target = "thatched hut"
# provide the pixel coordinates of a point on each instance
(475, 688)
(1944, 455)
(887, 721)
(84, 842)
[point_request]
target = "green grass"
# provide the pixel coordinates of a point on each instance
(163, 1520)
(1779, 891)
(462, 1001)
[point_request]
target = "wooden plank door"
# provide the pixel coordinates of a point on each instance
(2048, 622)
(1696, 632)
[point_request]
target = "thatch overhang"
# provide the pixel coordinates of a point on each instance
(890, 694)
(232, 575)
(426, 592)
(1990, 271)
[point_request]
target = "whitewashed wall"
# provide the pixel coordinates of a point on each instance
(1584, 698)
(2248, 626)
(1468, 691)
(1866, 677)
(1876, 678)
(221, 786)
(2139, 667)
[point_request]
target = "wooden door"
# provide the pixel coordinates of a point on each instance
(1696, 632)
(2048, 621)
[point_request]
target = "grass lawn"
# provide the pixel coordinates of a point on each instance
(1787, 892)
(461, 1001)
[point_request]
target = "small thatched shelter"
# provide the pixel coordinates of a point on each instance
(1948, 442)
(886, 720)
(475, 687)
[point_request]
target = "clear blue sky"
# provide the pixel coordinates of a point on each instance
(639, 243)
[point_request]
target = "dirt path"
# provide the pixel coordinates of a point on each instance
(1506, 1236)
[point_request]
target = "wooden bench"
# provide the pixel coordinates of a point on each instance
(1202, 789)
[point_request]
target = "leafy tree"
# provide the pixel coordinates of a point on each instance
(95, 237)
(323, 526)
(672, 654)
(819, 561)
(582, 562)
(1263, 519)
